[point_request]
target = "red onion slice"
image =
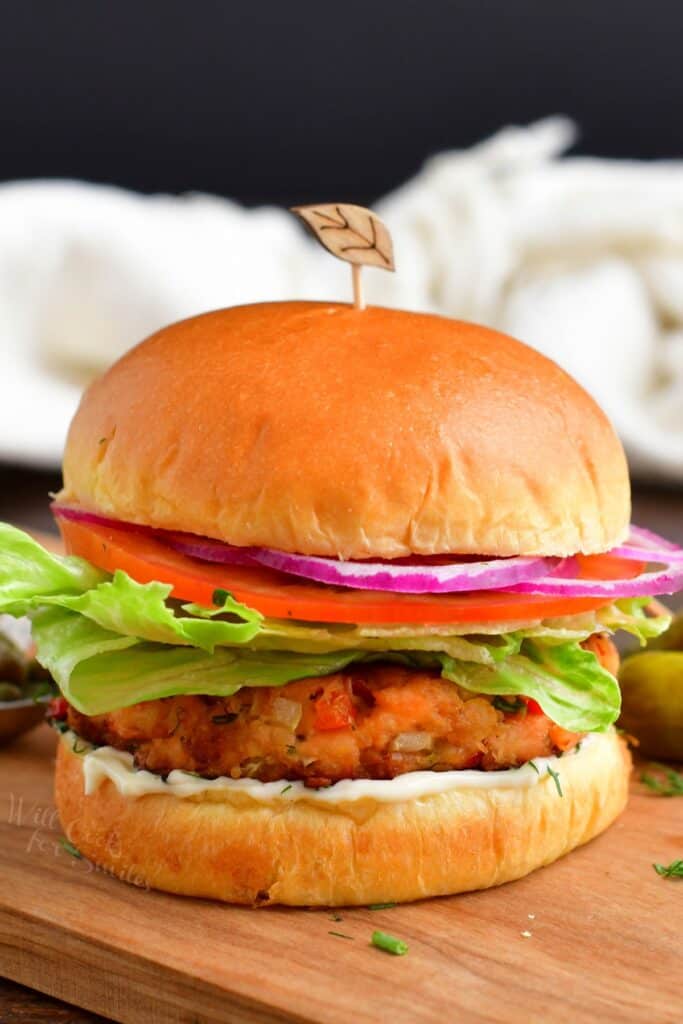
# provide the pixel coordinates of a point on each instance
(643, 546)
(408, 579)
(207, 550)
(648, 584)
(632, 552)
(639, 535)
(453, 577)
(520, 575)
(79, 515)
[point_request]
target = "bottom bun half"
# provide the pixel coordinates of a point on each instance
(303, 854)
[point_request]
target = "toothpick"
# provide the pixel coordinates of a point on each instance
(358, 298)
(351, 233)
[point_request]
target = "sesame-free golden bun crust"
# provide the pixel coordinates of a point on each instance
(322, 429)
(303, 854)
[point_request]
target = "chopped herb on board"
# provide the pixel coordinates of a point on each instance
(670, 785)
(381, 906)
(672, 870)
(341, 935)
(70, 848)
(389, 944)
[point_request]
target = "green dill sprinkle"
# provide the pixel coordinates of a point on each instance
(226, 719)
(83, 749)
(555, 776)
(535, 767)
(670, 785)
(340, 935)
(381, 906)
(389, 944)
(291, 750)
(510, 705)
(285, 790)
(672, 870)
(70, 848)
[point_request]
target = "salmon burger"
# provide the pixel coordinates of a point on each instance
(334, 620)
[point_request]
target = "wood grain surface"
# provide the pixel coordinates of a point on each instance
(603, 944)
(19, 1005)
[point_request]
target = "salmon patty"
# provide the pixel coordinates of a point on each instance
(371, 723)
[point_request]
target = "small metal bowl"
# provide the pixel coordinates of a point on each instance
(18, 716)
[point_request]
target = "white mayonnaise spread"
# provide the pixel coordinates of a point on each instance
(100, 763)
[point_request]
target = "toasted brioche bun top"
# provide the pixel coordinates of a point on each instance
(322, 429)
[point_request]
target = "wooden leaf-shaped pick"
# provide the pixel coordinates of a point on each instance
(350, 232)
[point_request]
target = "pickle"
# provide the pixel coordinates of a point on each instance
(652, 702)
(672, 640)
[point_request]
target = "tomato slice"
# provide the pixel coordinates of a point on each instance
(281, 596)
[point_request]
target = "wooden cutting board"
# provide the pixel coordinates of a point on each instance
(604, 943)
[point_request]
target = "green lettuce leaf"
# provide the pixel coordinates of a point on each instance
(99, 671)
(139, 609)
(301, 638)
(32, 578)
(29, 572)
(569, 683)
(629, 614)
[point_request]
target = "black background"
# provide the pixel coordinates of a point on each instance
(290, 101)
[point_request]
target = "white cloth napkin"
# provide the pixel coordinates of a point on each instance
(582, 258)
